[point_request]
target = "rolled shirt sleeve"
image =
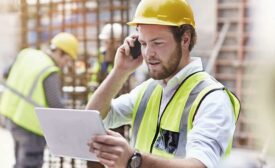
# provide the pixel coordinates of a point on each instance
(213, 127)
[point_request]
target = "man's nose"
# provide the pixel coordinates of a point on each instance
(149, 51)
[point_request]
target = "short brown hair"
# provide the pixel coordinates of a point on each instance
(179, 31)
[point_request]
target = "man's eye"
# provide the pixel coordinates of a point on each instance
(158, 43)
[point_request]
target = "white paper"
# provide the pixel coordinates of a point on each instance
(68, 131)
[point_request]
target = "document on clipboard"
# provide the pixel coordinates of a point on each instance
(67, 131)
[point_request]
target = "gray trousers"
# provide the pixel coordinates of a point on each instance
(29, 147)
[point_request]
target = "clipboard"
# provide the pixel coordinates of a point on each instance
(67, 131)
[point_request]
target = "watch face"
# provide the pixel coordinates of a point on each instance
(135, 162)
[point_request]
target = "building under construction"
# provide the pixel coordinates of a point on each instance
(226, 44)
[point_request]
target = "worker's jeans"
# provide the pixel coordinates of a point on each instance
(29, 147)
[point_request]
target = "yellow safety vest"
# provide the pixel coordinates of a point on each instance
(96, 68)
(168, 138)
(96, 71)
(26, 76)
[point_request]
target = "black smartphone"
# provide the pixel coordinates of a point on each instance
(136, 50)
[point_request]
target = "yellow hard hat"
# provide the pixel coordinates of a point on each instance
(163, 12)
(66, 42)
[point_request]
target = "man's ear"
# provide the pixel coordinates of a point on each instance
(185, 40)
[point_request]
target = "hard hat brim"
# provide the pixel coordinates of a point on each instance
(154, 21)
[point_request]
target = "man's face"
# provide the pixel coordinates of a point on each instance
(110, 48)
(63, 59)
(161, 52)
(109, 43)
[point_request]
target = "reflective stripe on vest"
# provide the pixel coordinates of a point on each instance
(28, 98)
(141, 110)
(181, 150)
(34, 85)
(176, 126)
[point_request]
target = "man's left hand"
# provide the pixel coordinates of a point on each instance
(112, 149)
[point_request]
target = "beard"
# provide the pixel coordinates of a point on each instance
(169, 68)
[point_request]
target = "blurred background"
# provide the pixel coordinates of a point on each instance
(236, 41)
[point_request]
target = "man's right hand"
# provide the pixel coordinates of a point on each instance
(124, 66)
(124, 63)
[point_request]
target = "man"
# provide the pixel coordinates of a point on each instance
(110, 37)
(35, 75)
(182, 117)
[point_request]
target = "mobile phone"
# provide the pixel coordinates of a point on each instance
(136, 50)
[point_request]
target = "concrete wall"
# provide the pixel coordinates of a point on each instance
(10, 37)
(9, 32)
(205, 17)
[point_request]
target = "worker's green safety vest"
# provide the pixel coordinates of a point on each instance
(168, 138)
(26, 76)
(97, 68)
(96, 71)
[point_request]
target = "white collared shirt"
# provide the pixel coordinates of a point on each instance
(213, 124)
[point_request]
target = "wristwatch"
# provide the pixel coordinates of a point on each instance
(135, 160)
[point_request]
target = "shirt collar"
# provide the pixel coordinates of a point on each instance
(194, 65)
